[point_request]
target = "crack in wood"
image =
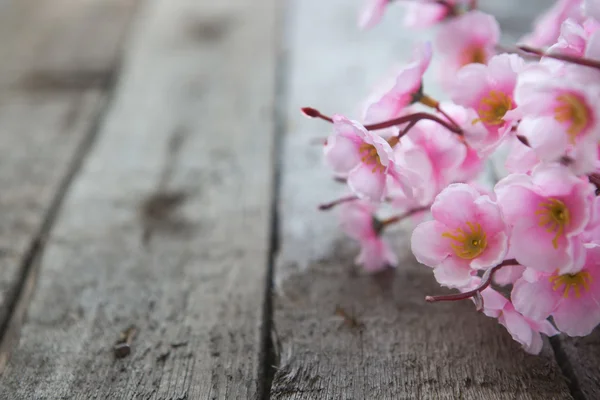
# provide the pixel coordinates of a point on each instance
(59, 81)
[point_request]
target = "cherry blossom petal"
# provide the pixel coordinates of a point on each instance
(454, 206)
(341, 154)
(453, 273)
(578, 317)
(372, 13)
(356, 220)
(376, 255)
(535, 300)
(428, 245)
(367, 182)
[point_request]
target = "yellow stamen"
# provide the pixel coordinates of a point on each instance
(371, 157)
(473, 55)
(571, 281)
(572, 111)
(555, 216)
(429, 101)
(393, 141)
(493, 107)
(469, 244)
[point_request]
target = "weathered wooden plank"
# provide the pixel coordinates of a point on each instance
(580, 359)
(167, 226)
(44, 130)
(406, 348)
(61, 44)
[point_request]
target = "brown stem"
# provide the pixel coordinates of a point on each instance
(407, 128)
(330, 205)
(451, 9)
(486, 280)
(595, 180)
(562, 57)
(523, 140)
(314, 113)
(413, 117)
(448, 117)
(433, 103)
(400, 217)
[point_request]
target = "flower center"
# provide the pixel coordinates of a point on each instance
(554, 215)
(493, 107)
(370, 156)
(473, 55)
(573, 111)
(468, 243)
(571, 281)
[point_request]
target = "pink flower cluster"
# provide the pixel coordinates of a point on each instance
(538, 230)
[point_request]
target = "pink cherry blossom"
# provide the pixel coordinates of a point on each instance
(392, 97)
(488, 89)
(546, 211)
(425, 13)
(364, 157)
(547, 26)
(525, 331)
(470, 38)
(521, 159)
(560, 116)
(437, 156)
(358, 221)
(467, 233)
(371, 13)
(509, 274)
(573, 39)
(592, 230)
(572, 299)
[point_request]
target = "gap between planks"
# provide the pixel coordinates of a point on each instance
(18, 302)
(270, 345)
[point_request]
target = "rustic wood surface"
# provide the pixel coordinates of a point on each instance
(53, 90)
(157, 175)
(167, 225)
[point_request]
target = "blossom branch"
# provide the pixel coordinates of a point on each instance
(431, 102)
(314, 113)
(330, 205)
(486, 280)
(562, 57)
(448, 117)
(595, 180)
(400, 217)
(413, 117)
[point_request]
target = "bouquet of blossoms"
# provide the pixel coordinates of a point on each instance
(537, 233)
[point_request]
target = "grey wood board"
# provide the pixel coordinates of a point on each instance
(167, 225)
(44, 128)
(406, 348)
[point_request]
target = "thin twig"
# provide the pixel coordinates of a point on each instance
(486, 280)
(562, 57)
(400, 217)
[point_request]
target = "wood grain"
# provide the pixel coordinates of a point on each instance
(401, 347)
(44, 131)
(580, 359)
(167, 226)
